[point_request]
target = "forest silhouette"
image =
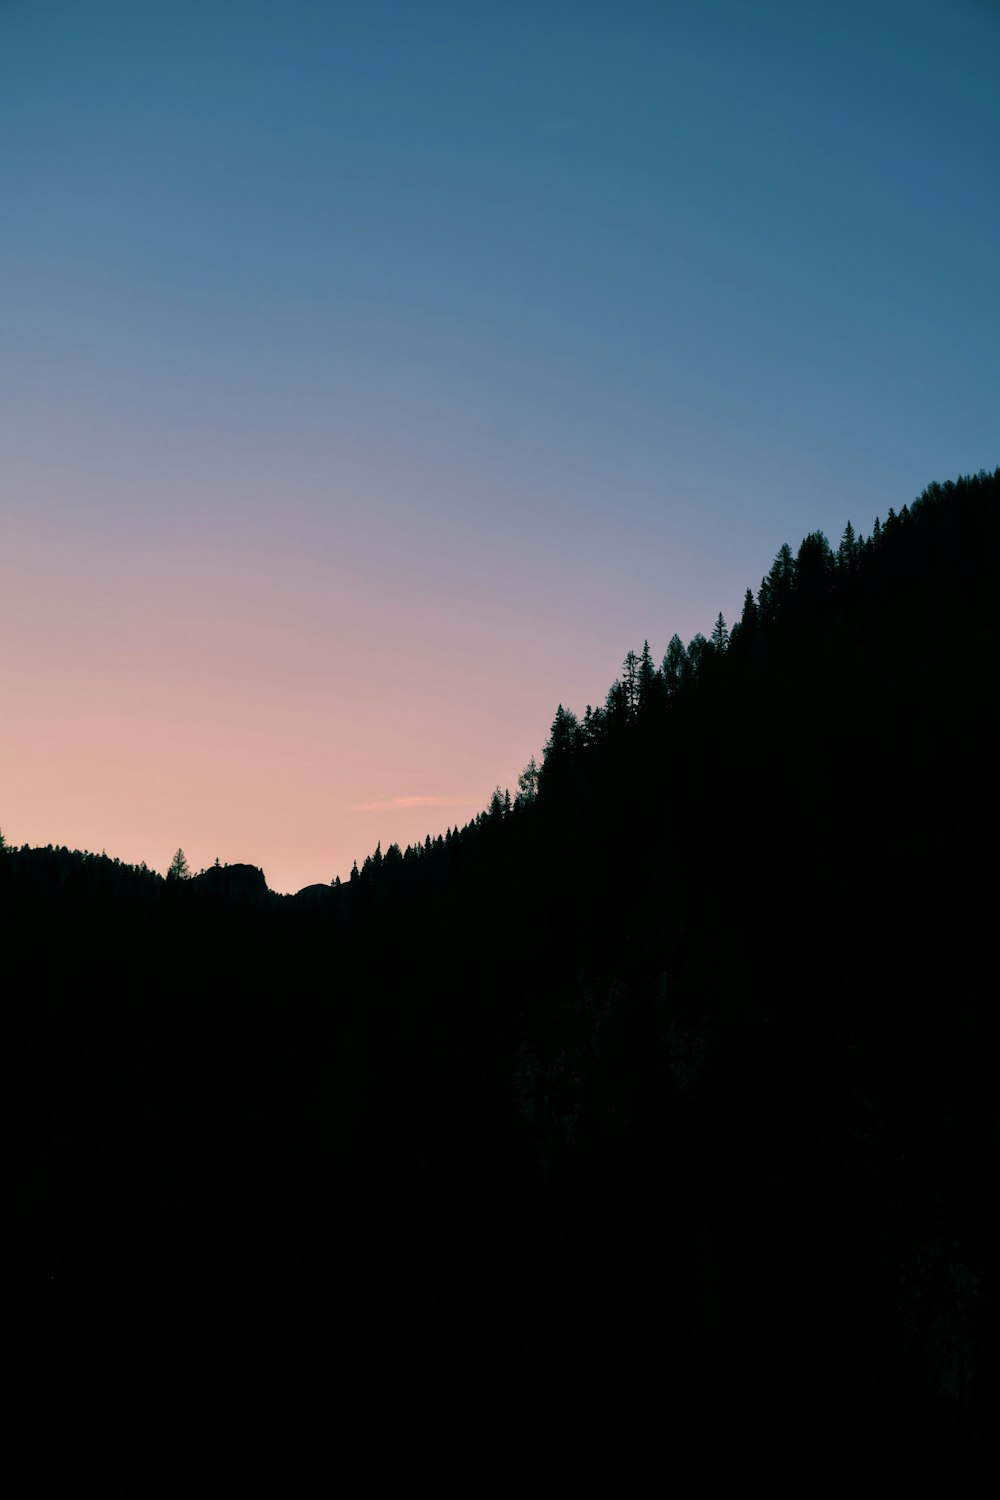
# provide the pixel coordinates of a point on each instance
(644, 1127)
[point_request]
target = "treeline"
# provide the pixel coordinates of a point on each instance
(644, 1127)
(823, 621)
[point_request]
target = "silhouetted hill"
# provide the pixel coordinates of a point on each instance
(641, 1132)
(321, 893)
(234, 883)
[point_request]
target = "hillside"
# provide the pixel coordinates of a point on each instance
(644, 1126)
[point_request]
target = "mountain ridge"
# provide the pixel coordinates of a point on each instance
(656, 1101)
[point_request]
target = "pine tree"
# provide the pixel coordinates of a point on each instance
(749, 619)
(563, 741)
(673, 669)
(562, 738)
(179, 869)
(527, 784)
(777, 588)
(847, 552)
(720, 636)
(647, 677)
(630, 682)
(616, 704)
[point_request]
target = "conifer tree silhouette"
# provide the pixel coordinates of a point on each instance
(720, 635)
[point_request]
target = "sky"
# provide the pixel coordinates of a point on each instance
(374, 376)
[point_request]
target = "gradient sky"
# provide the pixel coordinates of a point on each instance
(374, 376)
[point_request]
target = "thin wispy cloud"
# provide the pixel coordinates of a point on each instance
(391, 804)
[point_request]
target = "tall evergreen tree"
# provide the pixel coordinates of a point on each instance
(647, 677)
(527, 784)
(616, 710)
(674, 666)
(847, 552)
(749, 618)
(630, 682)
(777, 588)
(720, 636)
(560, 746)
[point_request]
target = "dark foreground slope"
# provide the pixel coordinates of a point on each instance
(644, 1131)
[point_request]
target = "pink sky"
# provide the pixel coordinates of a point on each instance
(282, 689)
